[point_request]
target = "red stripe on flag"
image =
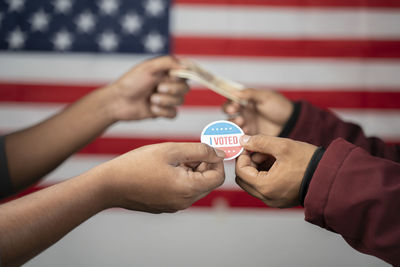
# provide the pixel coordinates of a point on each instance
(220, 198)
(120, 145)
(308, 48)
(231, 199)
(322, 97)
(295, 3)
(47, 93)
(348, 99)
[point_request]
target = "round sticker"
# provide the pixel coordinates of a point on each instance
(224, 135)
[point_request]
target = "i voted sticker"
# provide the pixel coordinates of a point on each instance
(224, 135)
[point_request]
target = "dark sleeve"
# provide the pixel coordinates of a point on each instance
(320, 127)
(358, 196)
(5, 182)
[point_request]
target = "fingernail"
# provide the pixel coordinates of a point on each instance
(163, 88)
(220, 153)
(244, 139)
(232, 110)
(156, 99)
(155, 109)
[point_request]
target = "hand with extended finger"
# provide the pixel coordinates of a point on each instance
(272, 168)
(164, 177)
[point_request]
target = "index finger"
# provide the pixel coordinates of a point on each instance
(264, 144)
(246, 170)
(196, 152)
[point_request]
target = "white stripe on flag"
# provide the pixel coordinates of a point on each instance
(261, 22)
(307, 73)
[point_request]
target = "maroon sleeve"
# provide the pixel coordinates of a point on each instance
(358, 196)
(320, 127)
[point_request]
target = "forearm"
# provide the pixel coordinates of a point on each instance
(35, 151)
(357, 195)
(320, 128)
(31, 224)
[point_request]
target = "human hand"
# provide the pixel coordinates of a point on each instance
(266, 112)
(164, 177)
(147, 91)
(272, 168)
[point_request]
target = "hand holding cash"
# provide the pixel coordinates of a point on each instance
(222, 86)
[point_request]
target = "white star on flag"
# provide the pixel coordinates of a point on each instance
(62, 40)
(15, 5)
(131, 23)
(109, 7)
(154, 7)
(16, 39)
(153, 42)
(62, 6)
(108, 41)
(40, 21)
(85, 22)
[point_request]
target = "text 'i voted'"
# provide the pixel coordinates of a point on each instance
(223, 135)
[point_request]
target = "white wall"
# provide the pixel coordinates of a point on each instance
(202, 237)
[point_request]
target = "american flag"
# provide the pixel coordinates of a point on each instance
(338, 54)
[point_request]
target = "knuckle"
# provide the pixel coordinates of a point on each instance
(174, 101)
(265, 190)
(204, 149)
(220, 181)
(185, 198)
(284, 146)
(258, 141)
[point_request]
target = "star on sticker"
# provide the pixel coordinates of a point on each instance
(63, 40)
(62, 6)
(153, 42)
(15, 5)
(85, 22)
(154, 8)
(40, 21)
(131, 23)
(109, 7)
(108, 41)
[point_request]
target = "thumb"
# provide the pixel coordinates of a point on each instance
(254, 95)
(164, 64)
(264, 144)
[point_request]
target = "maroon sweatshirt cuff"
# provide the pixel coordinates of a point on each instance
(322, 181)
(291, 123)
(309, 173)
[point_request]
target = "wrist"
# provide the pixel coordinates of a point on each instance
(97, 180)
(110, 100)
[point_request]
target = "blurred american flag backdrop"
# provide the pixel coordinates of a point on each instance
(338, 54)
